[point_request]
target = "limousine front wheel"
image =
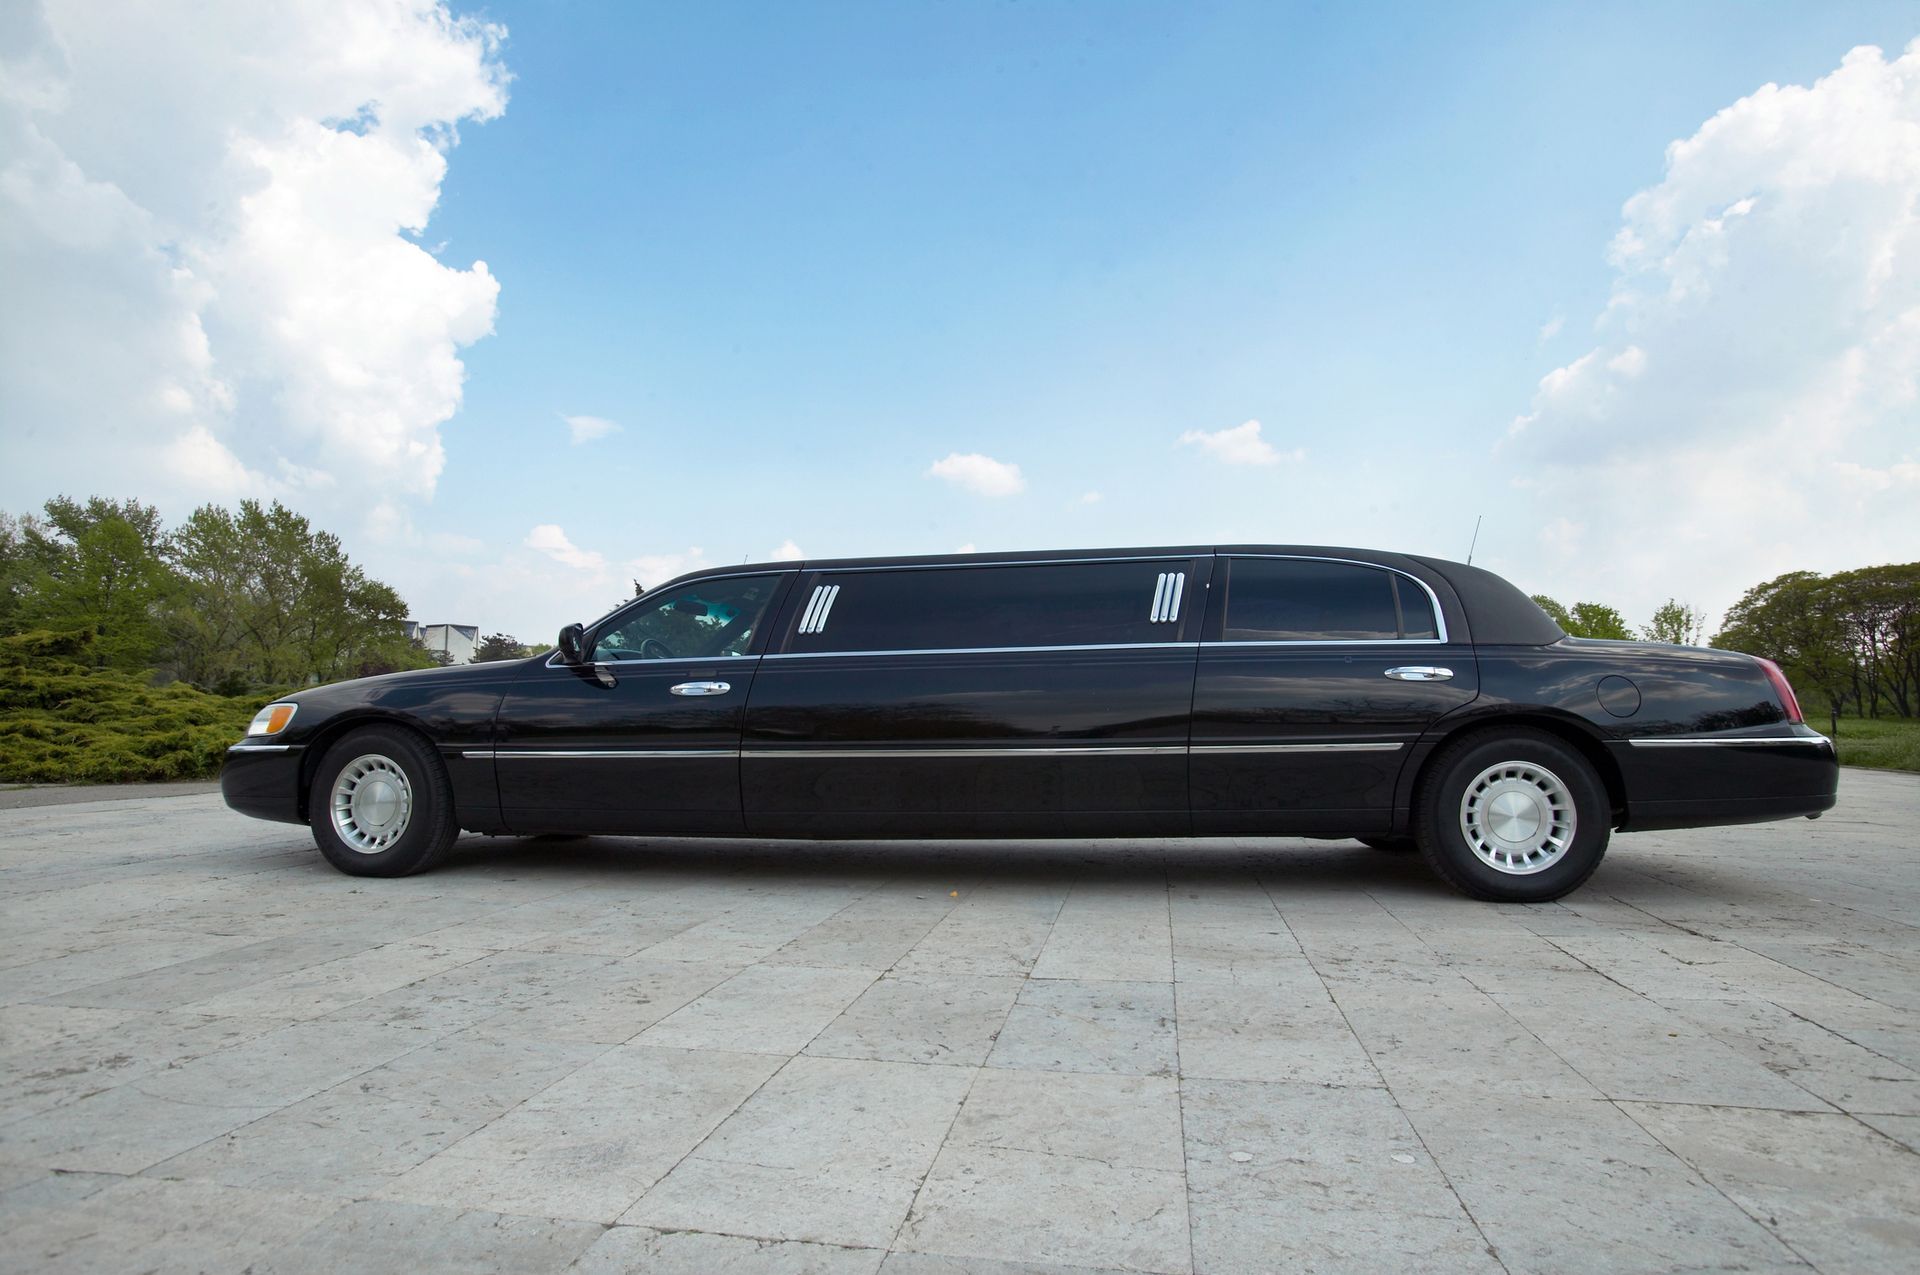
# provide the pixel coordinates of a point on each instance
(380, 805)
(1516, 817)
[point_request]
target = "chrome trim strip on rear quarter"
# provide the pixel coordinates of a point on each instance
(1815, 739)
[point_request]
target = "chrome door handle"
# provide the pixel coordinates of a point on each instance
(701, 688)
(1419, 673)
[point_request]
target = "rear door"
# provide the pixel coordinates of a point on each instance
(1316, 677)
(1038, 698)
(646, 737)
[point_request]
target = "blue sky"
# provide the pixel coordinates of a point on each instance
(798, 254)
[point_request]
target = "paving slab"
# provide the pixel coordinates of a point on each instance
(1057, 1058)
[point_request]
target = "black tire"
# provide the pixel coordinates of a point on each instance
(1540, 763)
(1392, 845)
(428, 826)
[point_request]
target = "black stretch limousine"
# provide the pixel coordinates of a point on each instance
(1245, 691)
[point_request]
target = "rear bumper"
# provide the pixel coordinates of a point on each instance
(1708, 812)
(1697, 782)
(263, 780)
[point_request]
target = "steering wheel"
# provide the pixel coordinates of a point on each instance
(655, 649)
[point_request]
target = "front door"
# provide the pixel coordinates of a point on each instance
(645, 738)
(1315, 681)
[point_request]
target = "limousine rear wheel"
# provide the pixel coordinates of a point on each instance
(1515, 816)
(381, 805)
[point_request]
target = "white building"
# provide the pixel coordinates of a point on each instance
(457, 640)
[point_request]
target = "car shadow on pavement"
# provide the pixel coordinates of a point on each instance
(1283, 865)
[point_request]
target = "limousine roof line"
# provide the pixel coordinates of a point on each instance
(1496, 613)
(1036, 557)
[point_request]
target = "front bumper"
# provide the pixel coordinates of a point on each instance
(263, 780)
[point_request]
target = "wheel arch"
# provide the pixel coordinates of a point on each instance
(339, 728)
(1575, 733)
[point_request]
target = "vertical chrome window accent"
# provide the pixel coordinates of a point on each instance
(813, 607)
(1166, 597)
(826, 608)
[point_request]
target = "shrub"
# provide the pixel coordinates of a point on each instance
(64, 722)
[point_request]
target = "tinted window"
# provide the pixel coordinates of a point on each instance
(703, 620)
(1295, 600)
(1416, 609)
(1074, 604)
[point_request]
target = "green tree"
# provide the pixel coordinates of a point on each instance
(1586, 619)
(269, 600)
(1595, 620)
(14, 570)
(99, 567)
(1879, 609)
(500, 646)
(1676, 622)
(1794, 620)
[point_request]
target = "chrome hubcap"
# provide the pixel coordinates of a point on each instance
(1518, 817)
(372, 803)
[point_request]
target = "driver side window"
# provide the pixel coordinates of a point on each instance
(705, 619)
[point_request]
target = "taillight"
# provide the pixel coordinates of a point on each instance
(1788, 700)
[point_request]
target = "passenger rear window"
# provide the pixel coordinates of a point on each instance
(1057, 604)
(1303, 600)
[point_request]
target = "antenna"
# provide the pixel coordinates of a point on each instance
(1476, 538)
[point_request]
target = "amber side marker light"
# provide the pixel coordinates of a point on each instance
(271, 720)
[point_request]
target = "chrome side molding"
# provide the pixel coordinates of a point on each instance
(1734, 742)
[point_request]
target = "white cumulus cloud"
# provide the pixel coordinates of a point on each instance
(1751, 402)
(1241, 445)
(208, 222)
(982, 475)
(584, 429)
(787, 552)
(551, 539)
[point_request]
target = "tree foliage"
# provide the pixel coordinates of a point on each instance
(1853, 637)
(230, 599)
(1586, 619)
(500, 646)
(1677, 622)
(99, 567)
(273, 600)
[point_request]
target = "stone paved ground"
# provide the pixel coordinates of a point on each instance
(672, 1056)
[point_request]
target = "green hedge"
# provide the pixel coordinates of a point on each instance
(64, 722)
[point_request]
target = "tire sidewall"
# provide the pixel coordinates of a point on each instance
(426, 779)
(1446, 846)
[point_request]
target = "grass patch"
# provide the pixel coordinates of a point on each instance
(1884, 743)
(63, 722)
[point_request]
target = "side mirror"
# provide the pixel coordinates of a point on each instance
(571, 639)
